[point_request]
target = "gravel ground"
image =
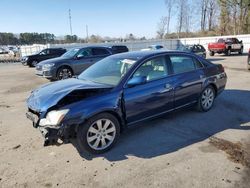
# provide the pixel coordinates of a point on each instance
(182, 149)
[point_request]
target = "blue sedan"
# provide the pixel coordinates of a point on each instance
(121, 91)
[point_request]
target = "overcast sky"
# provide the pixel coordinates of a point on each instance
(104, 17)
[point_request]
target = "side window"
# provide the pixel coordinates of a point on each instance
(44, 52)
(84, 53)
(198, 64)
(237, 41)
(52, 51)
(195, 48)
(182, 64)
(202, 48)
(100, 51)
(153, 69)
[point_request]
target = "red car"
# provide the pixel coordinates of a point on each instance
(226, 46)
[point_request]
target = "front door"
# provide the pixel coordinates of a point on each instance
(152, 98)
(83, 60)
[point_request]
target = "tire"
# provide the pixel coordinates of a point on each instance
(64, 73)
(33, 63)
(211, 53)
(241, 51)
(206, 99)
(229, 52)
(91, 134)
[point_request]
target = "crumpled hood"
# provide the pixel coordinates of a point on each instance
(50, 94)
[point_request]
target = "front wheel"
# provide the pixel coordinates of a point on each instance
(64, 73)
(206, 99)
(99, 133)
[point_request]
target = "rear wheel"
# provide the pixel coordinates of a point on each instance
(206, 99)
(64, 73)
(229, 52)
(241, 51)
(99, 133)
(211, 53)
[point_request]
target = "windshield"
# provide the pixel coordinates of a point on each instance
(71, 53)
(108, 71)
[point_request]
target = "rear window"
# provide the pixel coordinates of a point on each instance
(119, 49)
(221, 41)
(183, 64)
(100, 51)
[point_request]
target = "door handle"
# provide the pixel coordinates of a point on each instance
(167, 88)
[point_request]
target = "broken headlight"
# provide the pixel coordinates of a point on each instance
(53, 118)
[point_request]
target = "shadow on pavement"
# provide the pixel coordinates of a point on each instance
(178, 130)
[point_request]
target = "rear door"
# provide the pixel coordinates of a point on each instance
(152, 98)
(99, 53)
(189, 76)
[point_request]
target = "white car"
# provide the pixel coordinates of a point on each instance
(153, 47)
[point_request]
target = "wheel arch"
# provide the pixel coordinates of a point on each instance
(112, 112)
(65, 66)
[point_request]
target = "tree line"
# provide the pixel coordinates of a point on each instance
(34, 38)
(45, 38)
(205, 18)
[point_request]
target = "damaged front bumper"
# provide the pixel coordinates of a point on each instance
(51, 134)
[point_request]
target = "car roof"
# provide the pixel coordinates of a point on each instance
(145, 54)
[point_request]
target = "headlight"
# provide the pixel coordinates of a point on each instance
(48, 66)
(53, 118)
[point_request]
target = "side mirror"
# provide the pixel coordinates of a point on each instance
(79, 56)
(138, 80)
(241, 41)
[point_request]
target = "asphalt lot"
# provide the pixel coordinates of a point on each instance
(182, 149)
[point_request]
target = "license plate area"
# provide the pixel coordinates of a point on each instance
(39, 72)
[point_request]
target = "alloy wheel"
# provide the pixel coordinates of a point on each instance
(64, 74)
(207, 98)
(101, 134)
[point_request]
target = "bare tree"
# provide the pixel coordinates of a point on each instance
(204, 8)
(169, 5)
(161, 27)
(211, 12)
(181, 5)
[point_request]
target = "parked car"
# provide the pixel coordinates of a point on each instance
(45, 54)
(226, 46)
(248, 60)
(75, 61)
(153, 47)
(3, 51)
(120, 91)
(194, 48)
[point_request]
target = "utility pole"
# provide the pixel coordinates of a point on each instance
(87, 33)
(70, 24)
